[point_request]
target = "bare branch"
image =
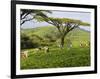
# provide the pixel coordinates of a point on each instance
(26, 20)
(75, 25)
(23, 17)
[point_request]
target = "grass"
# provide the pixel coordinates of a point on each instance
(56, 57)
(74, 57)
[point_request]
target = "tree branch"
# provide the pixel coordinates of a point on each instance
(23, 17)
(26, 20)
(75, 25)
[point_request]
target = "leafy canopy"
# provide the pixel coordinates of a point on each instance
(62, 20)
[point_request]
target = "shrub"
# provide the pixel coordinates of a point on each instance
(52, 36)
(29, 41)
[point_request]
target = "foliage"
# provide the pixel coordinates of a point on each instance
(52, 36)
(85, 24)
(63, 25)
(29, 41)
(56, 58)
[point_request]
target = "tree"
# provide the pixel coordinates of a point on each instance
(64, 25)
(28, 14)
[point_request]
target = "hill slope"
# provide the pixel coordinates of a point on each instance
(56, 58)
(46, 29)
(41, 31)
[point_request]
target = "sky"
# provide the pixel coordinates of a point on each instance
(83, 16)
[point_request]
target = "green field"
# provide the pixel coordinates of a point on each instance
(76, 56)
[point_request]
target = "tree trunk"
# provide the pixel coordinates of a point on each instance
(62, 41)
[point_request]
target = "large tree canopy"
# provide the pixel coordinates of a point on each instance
(28, 14)
(64, 25)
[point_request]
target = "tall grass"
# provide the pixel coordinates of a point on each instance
(74, 57)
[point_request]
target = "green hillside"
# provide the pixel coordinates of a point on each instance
(74, 57)
(76, 35)
(40, 31)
